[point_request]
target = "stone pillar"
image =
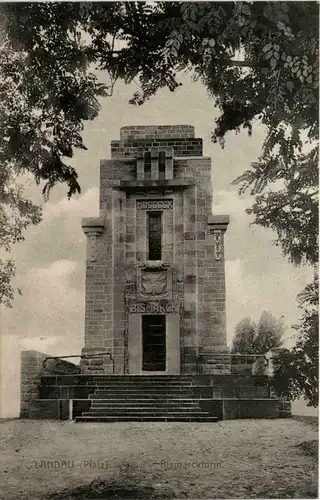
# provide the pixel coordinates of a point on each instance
(189, 340)
(213, 339)
(154, 164)
(119, 279)
(96, 365)
(95, 304)
(167, 236)
(169, 163)
(140, 165)
(31, 371)
(92, 228)
(266, 366)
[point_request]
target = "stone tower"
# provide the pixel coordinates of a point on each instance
(155, 269)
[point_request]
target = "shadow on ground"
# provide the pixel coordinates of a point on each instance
(111, 490)
(307, 419)
(309, 448)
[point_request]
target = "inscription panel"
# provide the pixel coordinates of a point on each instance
(154, 204)
(154, 308)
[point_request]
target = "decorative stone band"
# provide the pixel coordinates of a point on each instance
(217, 226)
(153, 264)
(162, 186)
(92, 227)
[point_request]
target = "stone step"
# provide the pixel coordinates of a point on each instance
(142, 409)
(139, 411)
(139, 395)
(143, 378)
(160, 385)
(143, 390)
(151, 387)
(163, 406)
(143, 387)
(103, 403)
(223, 390)
(143, 412)
(147, 383)
(140, 400)
(215, 380)
(159, 390)
(124, 407)
(171, 383)
(144, 418)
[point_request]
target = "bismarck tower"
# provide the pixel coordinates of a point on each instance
(155, 315)
(155, 268)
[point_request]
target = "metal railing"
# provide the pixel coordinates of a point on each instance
(239, 355)
(88, 356)
(81, 356)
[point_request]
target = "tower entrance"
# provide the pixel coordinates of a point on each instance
(154, 343)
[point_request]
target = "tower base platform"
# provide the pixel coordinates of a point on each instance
(112, 398)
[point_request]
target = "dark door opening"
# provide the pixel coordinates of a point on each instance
(154, 343)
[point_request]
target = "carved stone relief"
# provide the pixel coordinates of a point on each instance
(217, 236)
(154, 282)
(92, 248)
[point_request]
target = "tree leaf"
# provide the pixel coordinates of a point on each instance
(267, 47)
(273, 63)
(290, 85)
(246, 9)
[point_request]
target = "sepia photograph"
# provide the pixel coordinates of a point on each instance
(159, 250)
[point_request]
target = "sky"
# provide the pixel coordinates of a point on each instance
(49, 316)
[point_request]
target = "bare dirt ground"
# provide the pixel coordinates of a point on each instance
(229, 459)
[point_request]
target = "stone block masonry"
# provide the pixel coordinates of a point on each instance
(182, 147)
(32, 370)
(179, 137)
(157, 177)
(140, 132)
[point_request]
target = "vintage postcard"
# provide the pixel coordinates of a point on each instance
(159, 250)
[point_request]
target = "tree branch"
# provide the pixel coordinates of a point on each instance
(241, 64)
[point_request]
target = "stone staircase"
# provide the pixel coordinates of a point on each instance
(145, 398)
(185, 397)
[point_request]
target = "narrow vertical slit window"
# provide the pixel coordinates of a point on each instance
(147, 165)
(162, 165)
(154, 220)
